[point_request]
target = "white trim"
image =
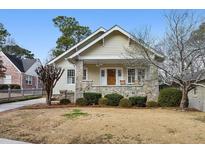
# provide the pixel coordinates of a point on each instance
(11, 62)
(116, 75)
(74, 76)
(75, 46)
(107, 33)
(85, 68)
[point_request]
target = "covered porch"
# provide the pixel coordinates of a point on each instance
(115, 76)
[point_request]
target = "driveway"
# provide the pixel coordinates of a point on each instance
(10, 106)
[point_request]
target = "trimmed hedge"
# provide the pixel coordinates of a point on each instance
(138, 101)
(15, 86)
(170, 97)
(103, 101)
(12, 86)
(81, 102)
(91, 97)
(124, 102)
(65, 101)
(113, 99)
(152, 104)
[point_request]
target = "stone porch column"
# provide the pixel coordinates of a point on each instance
(152, 85)
(79, 78)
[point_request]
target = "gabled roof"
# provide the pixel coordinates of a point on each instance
(22, 64)
(101, 29)
(115, 28)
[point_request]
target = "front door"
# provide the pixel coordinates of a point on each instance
(111, 76)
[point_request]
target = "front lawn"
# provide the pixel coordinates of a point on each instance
(103, 125)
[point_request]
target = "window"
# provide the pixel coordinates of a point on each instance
(7, 79)
(141, 75)
(131, 75)
(102, 73)
(29, 80)
(119, 73)
(71, 76)
(85, 75)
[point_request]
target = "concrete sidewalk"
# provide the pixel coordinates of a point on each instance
(7, 141)
(14, 105)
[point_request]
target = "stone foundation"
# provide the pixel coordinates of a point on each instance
(64, 94)
(148, 88)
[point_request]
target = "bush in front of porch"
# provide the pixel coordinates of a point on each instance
(92, 97)
(113, 99)
(138, 101)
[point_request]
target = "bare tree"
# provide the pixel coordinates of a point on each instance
(2, 69)
(184, 53)
(49, 75)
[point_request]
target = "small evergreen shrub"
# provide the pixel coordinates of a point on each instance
(113, 99)
(91, 97)
(15, 86)
(12, 86)
(170, 97)
(4, 86)
(81, 102)
(103, 101)
(65, 101)
(124, 102)
(152, 104)
(138, 101)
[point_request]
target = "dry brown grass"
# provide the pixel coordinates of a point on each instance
(103, 125)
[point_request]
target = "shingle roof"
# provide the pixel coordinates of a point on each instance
(23, 64)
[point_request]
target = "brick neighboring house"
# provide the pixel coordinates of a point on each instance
(20, 71)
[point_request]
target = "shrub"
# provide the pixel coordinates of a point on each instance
(12, 86)
(138, 101)
(103, 101)
(81, 102)
(152, 104)
(91, 97)
(4, 86)
(113, 99)
(124, 102)
(170, 97)
(15, 86)
(65, 101)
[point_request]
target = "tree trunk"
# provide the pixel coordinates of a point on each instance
(185, 99)
(48, 97)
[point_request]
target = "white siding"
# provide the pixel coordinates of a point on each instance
(197, 101)
(62, 83)
(114, 47)
(31, 71)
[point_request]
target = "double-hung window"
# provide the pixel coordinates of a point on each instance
(141, 75)
(29, 80)
(85, 74)
(131, 76)
(71, 76)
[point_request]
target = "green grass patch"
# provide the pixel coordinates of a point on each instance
(75, 113)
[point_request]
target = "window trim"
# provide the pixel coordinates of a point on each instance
(127, 75)
(71, 76)
(136, 75)
(86, 77)
(29, 78)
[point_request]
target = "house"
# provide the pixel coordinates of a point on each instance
(98, 64)
(20, 71)
(197, 96)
